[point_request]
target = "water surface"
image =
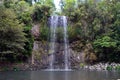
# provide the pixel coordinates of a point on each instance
(60, 75)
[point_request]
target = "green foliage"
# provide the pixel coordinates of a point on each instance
(117, 68)
(41, 13)
(82, 65)
(23, 11)
(68, 4)
(12, 38)
(105, 42)
(9, 3)
(89, 22)
(29, 43)
(72, 33)
(109, 68)
(44, 33)
(25, 18)
(99, 24)
(82, 18)
(29, 1)
(106, 46)
(46, 2)
(21, 6)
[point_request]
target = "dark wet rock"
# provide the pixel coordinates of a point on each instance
(42, 56)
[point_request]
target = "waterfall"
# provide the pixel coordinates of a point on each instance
(66, 50)
(52, 49)
(56, 22)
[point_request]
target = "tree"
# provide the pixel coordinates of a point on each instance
(41, 13)
(23, 11)
(12, 40)
(9, 3)
(98, 24)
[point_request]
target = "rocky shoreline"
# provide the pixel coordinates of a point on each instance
(101, 66)
(21, 67)
(34, 67)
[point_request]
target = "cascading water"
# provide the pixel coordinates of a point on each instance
(56, 22)
(52, 48)
(66, 50)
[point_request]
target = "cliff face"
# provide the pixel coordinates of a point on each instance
(79, 52)
(39, 53)
(41, 58)
(35, 30)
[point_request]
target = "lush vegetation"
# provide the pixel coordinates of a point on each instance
(16, 40)
(12, 38)
(16, 21)
(95, 25)
(99, 25)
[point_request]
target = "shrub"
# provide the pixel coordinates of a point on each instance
(41, 13)
(44, 33)
(12, 40)
(29, 42)
(72, 33)
(82, 65)
(109, 68)
(23, 11)
(117, 68)
(105, 48)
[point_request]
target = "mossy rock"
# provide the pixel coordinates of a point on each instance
(109, 68)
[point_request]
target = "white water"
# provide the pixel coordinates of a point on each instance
(54, 22)
(66, 50)
(52, 49)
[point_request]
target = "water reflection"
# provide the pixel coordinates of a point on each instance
(60, 75)
(66, 76)
(51, 76)
(11, 75)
